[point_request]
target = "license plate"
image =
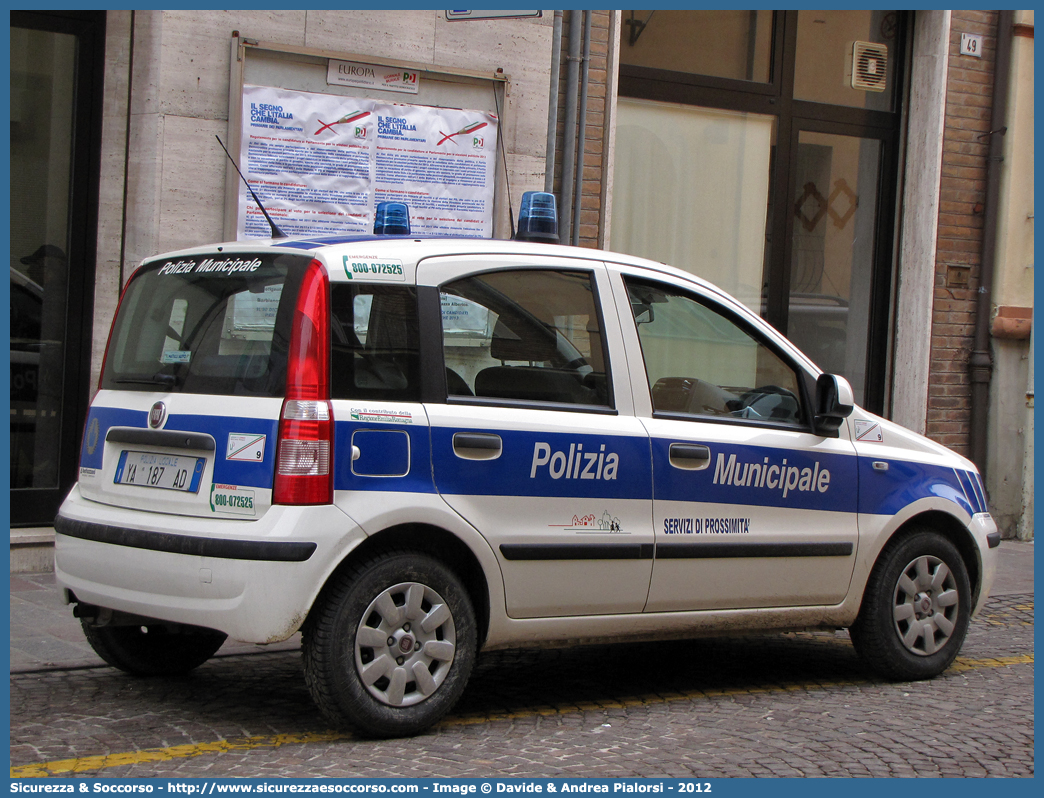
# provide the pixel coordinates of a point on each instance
(167, 471)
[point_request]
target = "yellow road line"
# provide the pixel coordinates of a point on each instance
(67, 767)
(962, 664)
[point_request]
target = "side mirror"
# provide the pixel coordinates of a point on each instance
(834, 403)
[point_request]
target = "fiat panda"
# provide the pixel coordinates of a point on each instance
(413, 450)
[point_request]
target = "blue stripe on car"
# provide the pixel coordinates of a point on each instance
(760, 476)
(968, 486)
(888, 492)
(253, 474)
(383, 458)
(737, 474)
(977, 481)
(972, 485)
(232, 472)
(93, 448)
(529, 460)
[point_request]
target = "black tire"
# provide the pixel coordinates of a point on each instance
(911, 625)
(428, 641)
(153, 649)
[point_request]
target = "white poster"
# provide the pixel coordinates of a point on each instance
(320, 163)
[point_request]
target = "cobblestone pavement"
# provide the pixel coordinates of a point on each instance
(774, 705)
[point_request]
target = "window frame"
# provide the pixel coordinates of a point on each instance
(794, 115)
(37, 505)
(649, 77)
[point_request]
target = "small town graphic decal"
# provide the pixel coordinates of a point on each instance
(590, 524)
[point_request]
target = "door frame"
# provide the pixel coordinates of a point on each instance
(550, 567)
(878, 331)
(38, 506)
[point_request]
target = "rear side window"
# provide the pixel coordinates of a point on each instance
(375, 345)
(207, 324)
(528, 335)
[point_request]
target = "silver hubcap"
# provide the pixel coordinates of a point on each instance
(925, 605)
(404, 645)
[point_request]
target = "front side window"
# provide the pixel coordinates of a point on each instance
(527, 335)
(701, 362)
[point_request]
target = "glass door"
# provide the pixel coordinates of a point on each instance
(55, 83)
(835, 207)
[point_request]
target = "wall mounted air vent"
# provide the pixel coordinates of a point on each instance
(869, 66)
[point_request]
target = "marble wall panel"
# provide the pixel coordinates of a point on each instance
(196, 53)
(522, 48)
(144, 179)
(402, 35)
(192, 193)
(111, 183)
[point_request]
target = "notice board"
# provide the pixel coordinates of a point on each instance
(323, 137)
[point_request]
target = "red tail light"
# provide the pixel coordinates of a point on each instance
(105, 360)
(112, 326)
(304, 457)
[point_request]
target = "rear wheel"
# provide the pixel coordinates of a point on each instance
(390, 649)
(153, 649)
(916, 608)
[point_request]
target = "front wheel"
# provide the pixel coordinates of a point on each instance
(153, 649)
(916, 608)
(389, 650)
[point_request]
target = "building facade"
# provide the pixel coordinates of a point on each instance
(863, 179)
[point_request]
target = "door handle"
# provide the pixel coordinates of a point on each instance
(690, 456)
(477, 445)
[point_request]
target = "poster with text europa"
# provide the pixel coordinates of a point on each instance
(320, 163)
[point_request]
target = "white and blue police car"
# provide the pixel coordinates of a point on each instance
(412, 450)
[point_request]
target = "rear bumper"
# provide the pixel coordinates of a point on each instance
(219, 548)
(253, 580)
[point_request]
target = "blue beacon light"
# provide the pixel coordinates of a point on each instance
(391, 219)
(538, 218)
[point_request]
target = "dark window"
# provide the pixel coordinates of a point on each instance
(376, 343)
(57, 69)
(720, 43)
(827, 165)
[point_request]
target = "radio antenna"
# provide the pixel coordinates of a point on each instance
(276, 232)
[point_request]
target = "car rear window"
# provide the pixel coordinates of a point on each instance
(213, 324)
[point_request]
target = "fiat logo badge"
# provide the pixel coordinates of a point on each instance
(157, 415)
